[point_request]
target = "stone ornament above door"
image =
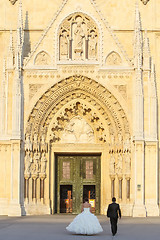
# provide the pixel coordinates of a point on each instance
(145, 1)
(13, 1)
(78, 38)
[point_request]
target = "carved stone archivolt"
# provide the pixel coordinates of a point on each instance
(78, 87)
(113, 59)
(78, 38)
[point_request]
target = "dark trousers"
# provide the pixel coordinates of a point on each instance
(113, 222)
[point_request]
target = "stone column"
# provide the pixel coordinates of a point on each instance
(151, 179)
(16, 206)
(139, 209)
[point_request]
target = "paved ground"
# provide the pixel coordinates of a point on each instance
(53, 228)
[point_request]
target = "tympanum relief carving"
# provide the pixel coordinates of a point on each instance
(78, 131)
(71, 126)
(78, 38)
(42, 59)
(113, 59)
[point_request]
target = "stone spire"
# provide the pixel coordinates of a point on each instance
(20, 35)
(3, 100)
(139, 95)
(152, 95)
(10, 56)
(146, 53)
(137, 40)
(17, 85)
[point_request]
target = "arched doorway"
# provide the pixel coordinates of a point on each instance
(76, 116)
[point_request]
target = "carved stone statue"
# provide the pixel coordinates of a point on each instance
(92, 50)
(78, 40)
(112, 164)
(127, 163)
(127, 144)
(37, 162)
(28, 144)
(43, 144)
(43, 163)
(119, 165)
(36, 144)
(64, 45)
(28, 161)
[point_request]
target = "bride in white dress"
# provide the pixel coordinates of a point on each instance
(85, 223)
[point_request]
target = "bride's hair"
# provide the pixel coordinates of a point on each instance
(85, 200)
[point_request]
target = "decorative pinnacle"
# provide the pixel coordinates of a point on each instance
(11, 43)
(137, 40)
(20, 24)
(146, 52)
(137, 18)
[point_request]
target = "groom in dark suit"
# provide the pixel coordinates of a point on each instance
(113, 212)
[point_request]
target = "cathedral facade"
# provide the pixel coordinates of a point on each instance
(79, 108)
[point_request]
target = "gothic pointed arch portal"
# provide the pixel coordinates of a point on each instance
(76, 115)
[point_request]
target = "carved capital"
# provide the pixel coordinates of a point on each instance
(27, 176)
(112, 176)
(42, 176)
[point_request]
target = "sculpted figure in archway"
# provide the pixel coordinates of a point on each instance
(112, 164)
(36, 162)
(78, 39)
(92, 45)
(28, 161)
(127, 163)
(119, 165)
(64, 45)
(43, 163)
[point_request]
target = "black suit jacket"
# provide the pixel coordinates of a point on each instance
(113, 210)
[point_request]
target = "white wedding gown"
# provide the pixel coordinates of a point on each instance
(85, 223)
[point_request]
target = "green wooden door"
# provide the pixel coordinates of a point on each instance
(78, 171)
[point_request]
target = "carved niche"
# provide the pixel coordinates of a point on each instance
(78, 38)
(113, 59)
(13, 1)
(42, 59)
